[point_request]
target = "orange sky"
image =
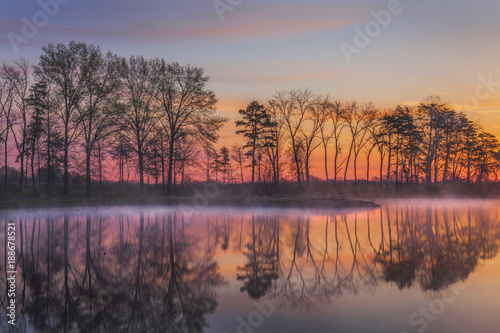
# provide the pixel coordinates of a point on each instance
(447, 48)
(487, 113)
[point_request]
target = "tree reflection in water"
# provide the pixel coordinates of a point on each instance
(96, 273)
(157, 271)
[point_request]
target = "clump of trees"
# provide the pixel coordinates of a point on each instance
(428, 143)
(148, 115)
(84, 116)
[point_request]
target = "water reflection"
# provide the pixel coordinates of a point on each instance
(156, 270)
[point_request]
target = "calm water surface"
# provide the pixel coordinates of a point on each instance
(410, 266)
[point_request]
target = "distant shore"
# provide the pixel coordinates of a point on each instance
(194, 202)
(213, 194)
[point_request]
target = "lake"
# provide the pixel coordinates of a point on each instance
(409, 266)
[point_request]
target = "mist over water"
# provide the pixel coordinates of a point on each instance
(414, 266)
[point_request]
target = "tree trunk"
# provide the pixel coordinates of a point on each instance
(66, 162)
(100, 165)
(307, 169)
(326, 165)
(241, 168)
(355, 163)
(297, 165)
(381, 166)
(368, 169)
(468, 167)
(6, 150)
(347, 161)
(33, 168)
(162, 167)
(21, 155)
(49, 167)
(253, 161)
(170, 165)
(335, 165)
(141, 172)
(88, 181)
(39, 167)
(389, 155)
(277, 166)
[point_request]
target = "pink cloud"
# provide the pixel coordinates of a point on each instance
(245, 22)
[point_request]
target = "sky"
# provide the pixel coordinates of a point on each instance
(253, 48)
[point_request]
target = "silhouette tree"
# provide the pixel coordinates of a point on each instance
(258, 131)
(35, 130)
(239, 157)
(140, 117)
(61, 68)
(7, 97)
(19, 76)
(187, 106)
(96, 111)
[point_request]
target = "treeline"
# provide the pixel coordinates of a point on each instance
(81, 104)
(81, 116)
(428, 143)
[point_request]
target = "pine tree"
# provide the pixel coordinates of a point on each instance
(258, 130)
(35, 130)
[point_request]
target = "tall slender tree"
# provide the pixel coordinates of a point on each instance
(337, 118)
(20, 76)
(238, 156)
(60, 66)
(38, 101)
(257, 131)
(7, 97)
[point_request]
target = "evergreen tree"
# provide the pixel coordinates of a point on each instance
(258, 130)
(38, 101)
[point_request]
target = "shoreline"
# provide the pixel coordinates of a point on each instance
(191, 202)
(286, 202)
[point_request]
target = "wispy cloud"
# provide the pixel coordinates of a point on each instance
(164, 21)
(268, 78)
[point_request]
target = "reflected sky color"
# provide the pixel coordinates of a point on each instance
(211, 271)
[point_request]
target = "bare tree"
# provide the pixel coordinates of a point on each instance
(315, 116)
(7, 96)
(337, 118)
(96, 111)
(19, 77)
(140, 116)
(187, 106)
(356, 117)
(238, 156)
(275, 150)
(287, 105)
(372, 140)
(325, 110)
(206, 161)
(61, 68)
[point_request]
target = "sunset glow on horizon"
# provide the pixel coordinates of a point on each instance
(251, 49)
